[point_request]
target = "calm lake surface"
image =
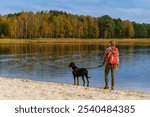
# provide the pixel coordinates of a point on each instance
(49, 63)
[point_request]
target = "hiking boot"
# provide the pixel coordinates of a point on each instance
(106, 87)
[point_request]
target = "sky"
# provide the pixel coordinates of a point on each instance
(133, 10)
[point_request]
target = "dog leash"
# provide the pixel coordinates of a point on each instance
(94, 67)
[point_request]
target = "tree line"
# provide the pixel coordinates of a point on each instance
(58, 24)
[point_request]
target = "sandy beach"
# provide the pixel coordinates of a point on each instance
(19, 89)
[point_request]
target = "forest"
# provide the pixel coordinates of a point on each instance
(58, 24)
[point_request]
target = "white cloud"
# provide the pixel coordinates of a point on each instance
(137, 10)
(134, 14)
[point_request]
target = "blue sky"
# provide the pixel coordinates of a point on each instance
(133, 10)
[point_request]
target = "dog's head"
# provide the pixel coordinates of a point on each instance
(72, 64)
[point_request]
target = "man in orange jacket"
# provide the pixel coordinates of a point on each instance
(111, 56)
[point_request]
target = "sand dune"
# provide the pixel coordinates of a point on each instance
(30, 90)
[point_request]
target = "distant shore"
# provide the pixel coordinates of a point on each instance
(19, 89)
(76, 41)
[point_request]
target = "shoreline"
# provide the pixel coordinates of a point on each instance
(20, 89)
(75, 41)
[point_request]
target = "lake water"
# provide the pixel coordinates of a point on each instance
(49, 63)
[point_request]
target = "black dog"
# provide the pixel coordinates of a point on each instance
(79, 72)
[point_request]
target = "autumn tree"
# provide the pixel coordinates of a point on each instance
(129, 29)
(107, 27)
(58, 24)
(119, 29)
(4, 27)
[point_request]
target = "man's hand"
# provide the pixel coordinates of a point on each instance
(101, 65)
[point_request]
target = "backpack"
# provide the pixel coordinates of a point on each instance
(112, 57)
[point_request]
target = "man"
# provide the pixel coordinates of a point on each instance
(111, 55)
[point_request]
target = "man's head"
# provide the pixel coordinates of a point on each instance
(112, 43)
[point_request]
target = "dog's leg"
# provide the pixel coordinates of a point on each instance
(87, 80)
(74, 80)
(77, 80)
(83, 80)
